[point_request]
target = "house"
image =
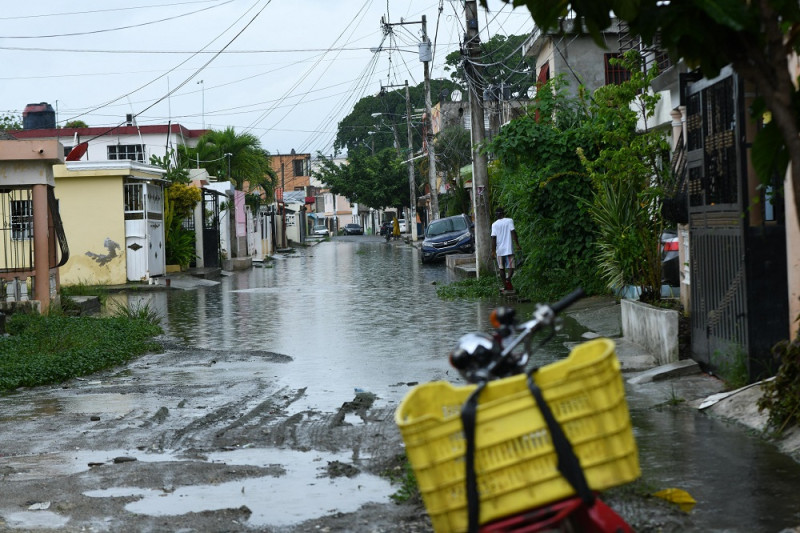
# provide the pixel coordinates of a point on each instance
(126, 141)
(576, 56)
(33, 244)
(334, 210)
(292, 170)
(741, 237)
(112, 212)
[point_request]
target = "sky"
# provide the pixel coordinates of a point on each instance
(286, 71)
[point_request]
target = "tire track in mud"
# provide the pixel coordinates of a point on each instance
(368, 432)
(207, 432)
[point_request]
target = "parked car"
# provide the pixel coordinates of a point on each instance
(450, 235)
(670, 262)
(353, 229)
(320, 229)
(403, 226)
(386, 227)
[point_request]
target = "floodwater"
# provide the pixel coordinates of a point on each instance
(360, 314)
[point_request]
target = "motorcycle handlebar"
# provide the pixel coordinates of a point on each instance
(568, 300)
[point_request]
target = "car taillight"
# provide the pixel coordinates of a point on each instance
(671, 246)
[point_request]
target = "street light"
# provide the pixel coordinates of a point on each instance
(228, 155)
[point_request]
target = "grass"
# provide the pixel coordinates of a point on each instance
(48, 349)
(136, 312)
(83, 288)
(731, 366)
(470, 288)
(403, 475)
(674, 399)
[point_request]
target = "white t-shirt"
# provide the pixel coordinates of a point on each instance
(501, 230)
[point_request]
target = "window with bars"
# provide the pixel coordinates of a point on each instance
(615, 73)
(133, 152)
(299, 169)
(21, 220)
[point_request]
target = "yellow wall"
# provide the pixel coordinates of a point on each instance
(92, 211)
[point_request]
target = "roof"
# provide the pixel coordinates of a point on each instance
(161, 129)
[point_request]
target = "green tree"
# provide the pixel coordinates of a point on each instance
(388, 126)
(753, 37)
(377, 181)
(453, 151)
(10, 122)
(247, 165)
(176, 170)
(538, 178)
(629, 176)
(503, 63)
(76, 124)
(179, 201)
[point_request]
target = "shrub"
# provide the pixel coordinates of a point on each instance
(781, 396)
(42, 350)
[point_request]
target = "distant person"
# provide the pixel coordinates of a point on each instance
(395, 228)
(504, 236)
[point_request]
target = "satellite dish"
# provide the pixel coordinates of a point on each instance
(532, 92)
(76, 153)
(455, 96)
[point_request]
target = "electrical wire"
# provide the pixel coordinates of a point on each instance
(193, 75)
(111, 10)
(107, 30)
(362, 13)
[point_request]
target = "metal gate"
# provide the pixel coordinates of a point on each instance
(211, 228)
(730, 294)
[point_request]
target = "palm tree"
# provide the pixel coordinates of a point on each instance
(237, 157)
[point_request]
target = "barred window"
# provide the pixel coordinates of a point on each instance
(298, 167)
(133, 152)
(21, 220)
(615, 73)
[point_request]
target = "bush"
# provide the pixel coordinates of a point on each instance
(42, 350)
(781, 396)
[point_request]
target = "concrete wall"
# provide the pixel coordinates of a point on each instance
(92, 210)
(652, 328)
(93, 213)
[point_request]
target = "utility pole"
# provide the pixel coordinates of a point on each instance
(412, 218)
(480, 172)
(425, 57)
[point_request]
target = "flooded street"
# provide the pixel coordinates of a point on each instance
(272, 408)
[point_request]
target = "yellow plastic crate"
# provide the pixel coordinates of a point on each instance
(515, 461)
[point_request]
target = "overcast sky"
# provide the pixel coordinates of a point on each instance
(285, 70)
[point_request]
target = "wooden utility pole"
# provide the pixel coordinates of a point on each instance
(425, 57)
(480, 172)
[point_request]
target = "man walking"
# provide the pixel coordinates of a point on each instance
(504, 236)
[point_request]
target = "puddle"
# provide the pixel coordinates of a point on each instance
(273, 501)
(108, 404)
(36, 519)
(46, 466)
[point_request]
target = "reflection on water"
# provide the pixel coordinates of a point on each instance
(741, 483)
(273, 500)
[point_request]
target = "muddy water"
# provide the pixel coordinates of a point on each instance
(361, 314)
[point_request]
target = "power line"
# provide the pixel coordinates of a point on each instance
(111, 10)
(108, 30)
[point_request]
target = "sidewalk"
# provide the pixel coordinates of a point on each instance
(685, 380)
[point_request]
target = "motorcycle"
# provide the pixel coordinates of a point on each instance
(521, 448)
